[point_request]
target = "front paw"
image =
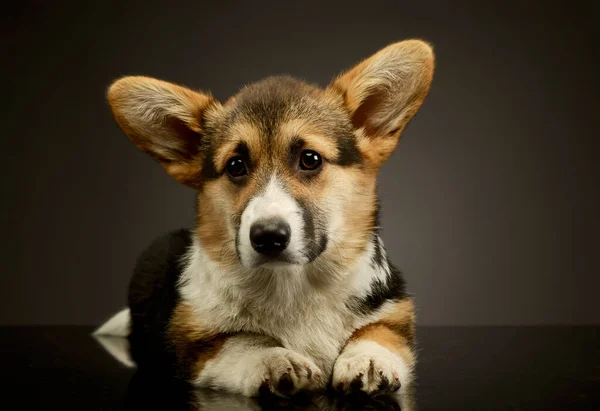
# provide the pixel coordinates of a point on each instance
(369, 367)
(284, 372)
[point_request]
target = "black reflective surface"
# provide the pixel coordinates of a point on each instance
(464, 368)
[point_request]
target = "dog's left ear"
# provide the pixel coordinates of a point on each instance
(383, 92)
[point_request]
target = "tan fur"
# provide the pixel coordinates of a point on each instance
(394, 331)
(382, 334)
(315, 139)
(354, 124)
(212, 222)
(384, 91)
(402, 314)
(162, 119)
(239, 132)
(359, 188)
(184, 332)
(355, 185)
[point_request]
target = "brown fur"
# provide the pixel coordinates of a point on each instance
(402, 319)
(173, 137)
(193, 343)
(269, 156)
(354, 124)
(371, 94)
(189, 133)
(358, 186)
(212, 218)
(395, 331)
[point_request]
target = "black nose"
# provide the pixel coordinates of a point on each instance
(270, 237)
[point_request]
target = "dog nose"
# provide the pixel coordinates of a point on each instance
(270, 237)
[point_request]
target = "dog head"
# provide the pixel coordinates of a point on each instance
(285, 171)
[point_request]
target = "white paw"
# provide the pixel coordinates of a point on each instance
(284, 372)
(369, 367)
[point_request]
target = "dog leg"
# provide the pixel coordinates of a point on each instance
(379, 357)
(242, 363)
(247, 364)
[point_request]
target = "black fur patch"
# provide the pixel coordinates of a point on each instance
(315, 242)
(209, 172)
(242, 150)
(295, 146)
(393, 288)
(349, 154)
(152, 298)
(377, 257)
(207, 151)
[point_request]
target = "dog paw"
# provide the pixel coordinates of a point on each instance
(285, 373)
(369, 367)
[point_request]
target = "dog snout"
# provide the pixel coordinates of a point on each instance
(270, 237)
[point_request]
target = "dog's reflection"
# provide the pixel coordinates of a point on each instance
(151, 392)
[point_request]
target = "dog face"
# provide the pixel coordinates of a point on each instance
(279, 151)
(285, 171)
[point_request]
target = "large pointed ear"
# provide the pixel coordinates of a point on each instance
(163, 120)
(383, 92)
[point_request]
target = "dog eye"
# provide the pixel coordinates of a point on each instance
(310, 160)
(236, 167)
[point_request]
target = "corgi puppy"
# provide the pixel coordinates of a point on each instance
(284, 284)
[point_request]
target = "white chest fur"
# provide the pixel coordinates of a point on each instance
(310, 320)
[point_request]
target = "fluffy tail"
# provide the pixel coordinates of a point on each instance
(111, 335)
(116, 326)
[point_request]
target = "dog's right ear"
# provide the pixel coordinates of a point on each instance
(165, 121)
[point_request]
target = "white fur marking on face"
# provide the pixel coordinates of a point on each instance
(274, 201)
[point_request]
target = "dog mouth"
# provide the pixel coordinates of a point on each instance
(277, 262)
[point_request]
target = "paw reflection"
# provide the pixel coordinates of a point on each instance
(148, 392)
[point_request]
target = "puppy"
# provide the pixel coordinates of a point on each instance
(284, 284)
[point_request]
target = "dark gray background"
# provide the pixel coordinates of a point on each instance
(490, 205)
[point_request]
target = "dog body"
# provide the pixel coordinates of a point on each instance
(284, 284)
